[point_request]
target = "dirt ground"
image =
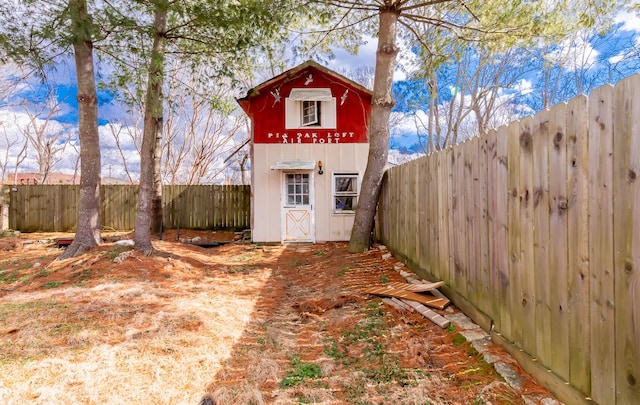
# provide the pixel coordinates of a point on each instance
(228, 324)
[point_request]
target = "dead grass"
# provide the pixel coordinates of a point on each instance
(227, 322)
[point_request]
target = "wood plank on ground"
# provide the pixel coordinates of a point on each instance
(435, 317)
(396, 303)
(422, 287)
(400, 304)
(412, 306)
(388, 291)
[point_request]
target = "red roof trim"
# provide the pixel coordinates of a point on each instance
(295, 73)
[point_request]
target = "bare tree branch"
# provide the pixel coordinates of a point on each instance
(353, 5)
(424, 4)
(116, 137)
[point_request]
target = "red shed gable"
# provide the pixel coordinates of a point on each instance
(308, 104)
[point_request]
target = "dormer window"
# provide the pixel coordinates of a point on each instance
(310, 108)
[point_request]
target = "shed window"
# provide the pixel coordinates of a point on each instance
(345, 192)
(297, 189)
(310, 108)
(310, 113)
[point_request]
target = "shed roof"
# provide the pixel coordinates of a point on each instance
(294, 165)
(294, 73)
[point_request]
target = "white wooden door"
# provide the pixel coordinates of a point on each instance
(298, 222)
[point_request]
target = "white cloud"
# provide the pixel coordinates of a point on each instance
(406, 60)
(113, 166)
(403, 124)
(109, 132)
(397, 158)
(366, 56)
(616, 58)
(574, 54)
(626, 53)
(64, 73)
(65, 108)
(630, 21)
(12, 141)
(115, 112)
(524, 86)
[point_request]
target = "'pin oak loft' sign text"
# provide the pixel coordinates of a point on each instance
(318, 137)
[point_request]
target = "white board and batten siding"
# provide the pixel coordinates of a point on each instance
(306, 115)
(267, 187)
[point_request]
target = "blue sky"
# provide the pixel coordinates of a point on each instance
(66, 94)
(611, 48)
(600, 52)
(602, 58)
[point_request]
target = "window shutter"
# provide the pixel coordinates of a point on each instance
(292, 113)
(329, 114)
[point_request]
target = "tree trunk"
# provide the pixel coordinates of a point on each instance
(381, 105)
(152, 133)
(88, 227)
(156, 200)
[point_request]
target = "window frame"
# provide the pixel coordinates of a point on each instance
(354, 194)
(326, 108)
(299, 189)
(311, 113)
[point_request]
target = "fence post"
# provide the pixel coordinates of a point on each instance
(5, 199)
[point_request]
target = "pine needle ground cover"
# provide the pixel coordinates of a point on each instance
(238, 324)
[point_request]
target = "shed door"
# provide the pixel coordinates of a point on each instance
(298, 215)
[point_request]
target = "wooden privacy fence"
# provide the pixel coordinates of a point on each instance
(54, 207)
(537, 226)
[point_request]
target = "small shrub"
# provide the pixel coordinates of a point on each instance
(301, 371)
(25, 266)
(343, 271)
(52, 284)
(332, 350)
(9, 277)
(115, 251)
(458, 339)
(246, 268)
(84, 274)
(43, 273)
(244, 257)
(300, 263)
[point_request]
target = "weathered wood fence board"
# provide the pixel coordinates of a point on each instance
(558, 249)
(601, 245)
(482, 191)
(541, 242)
(537, 225)
(54, 207)
(626, 240)
(442, 211)
(578, 243)
(499, 231)
(514, 303)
